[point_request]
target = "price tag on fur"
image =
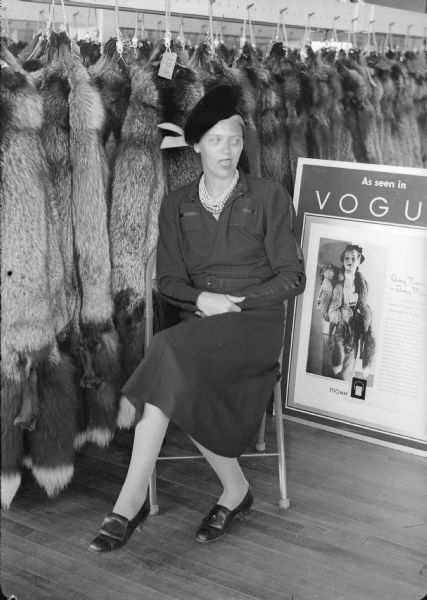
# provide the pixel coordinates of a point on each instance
(167, 65)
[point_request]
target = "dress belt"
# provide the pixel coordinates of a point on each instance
(207, 282)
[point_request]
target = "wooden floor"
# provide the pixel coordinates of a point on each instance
(356, 529)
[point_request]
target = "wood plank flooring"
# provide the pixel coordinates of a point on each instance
(356, 528)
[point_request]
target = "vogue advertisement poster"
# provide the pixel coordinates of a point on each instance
(359, 337)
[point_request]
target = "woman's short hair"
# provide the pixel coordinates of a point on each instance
(351, 247)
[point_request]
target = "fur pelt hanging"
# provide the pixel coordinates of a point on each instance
(138, 189)
(269, 115)
(341, 143)
(214, 71)
(359, 112)
(75, 116)
(99, 342)
(369, 125)
(90, 51)
(52, 83)
(36, 376)
(298, 97)
(53, 86)
(177, 96)
(407, 134)
(282, 64)
(417, 69)
(319, 124)
(274, 62)
(112, 77)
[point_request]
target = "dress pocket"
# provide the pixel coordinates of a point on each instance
(189, 217)
(243, 214)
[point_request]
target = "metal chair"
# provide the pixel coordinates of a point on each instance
(283, 501)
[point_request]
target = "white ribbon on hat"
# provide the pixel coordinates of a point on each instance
(172, 141)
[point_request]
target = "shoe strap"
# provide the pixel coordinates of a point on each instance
(114, 526)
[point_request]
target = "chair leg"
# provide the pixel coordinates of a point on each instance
(260, 444)
(283, 500)
(152, 486)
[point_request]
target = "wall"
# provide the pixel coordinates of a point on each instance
(228, 17)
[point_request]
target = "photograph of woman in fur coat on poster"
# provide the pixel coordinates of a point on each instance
(342, 336)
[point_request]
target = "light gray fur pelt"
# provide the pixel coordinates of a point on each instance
(99, 342)
(341, 143)
(138, 189)
(27, 323)
(54, 89)
(319, 109)
(31, 274)
(408, 139)
(89, 209)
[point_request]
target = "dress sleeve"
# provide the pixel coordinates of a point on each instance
(283, 252)
(173, 280)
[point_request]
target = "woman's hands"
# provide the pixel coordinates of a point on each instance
(210, 304)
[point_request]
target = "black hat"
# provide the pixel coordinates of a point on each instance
(350, 247)
(217, 104)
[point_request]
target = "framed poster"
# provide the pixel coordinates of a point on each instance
(357, 348)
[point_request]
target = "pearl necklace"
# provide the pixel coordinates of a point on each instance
(215, 204)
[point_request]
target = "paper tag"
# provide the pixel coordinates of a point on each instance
(167, 65)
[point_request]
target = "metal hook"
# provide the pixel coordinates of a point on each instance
(307, 29)
(334, 29)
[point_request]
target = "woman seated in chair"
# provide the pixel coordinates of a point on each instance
(227, 255)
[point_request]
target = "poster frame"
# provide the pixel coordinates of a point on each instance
(306, 412)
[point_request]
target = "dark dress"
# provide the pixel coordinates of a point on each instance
(214, 376)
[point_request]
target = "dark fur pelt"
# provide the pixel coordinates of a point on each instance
(11, 437)
(139, 187)
(112, 77)
(13, 47)
(101, 381)
(177, 96)
(268, 115)
(51, 445)
(90, 52)
(34, 49)
(214, 71)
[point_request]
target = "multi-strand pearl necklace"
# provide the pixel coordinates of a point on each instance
(215, 204)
